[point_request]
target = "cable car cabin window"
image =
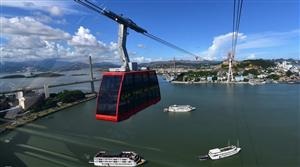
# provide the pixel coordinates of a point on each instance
(153, 86)
(108, 95)
(146, 87)
(126, 94)
(139, 90)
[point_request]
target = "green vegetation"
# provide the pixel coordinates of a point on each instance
(13, 76)
(258, 63)
(273, 76)
(251, 71)
(214, 78)
(70, 96)
(4, 105)
(65, 97)
(224, 66)
(4, 102)
(46, 74)
(188, 76)
(201, 73)
(288, 73)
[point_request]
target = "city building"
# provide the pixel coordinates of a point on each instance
(29, 99)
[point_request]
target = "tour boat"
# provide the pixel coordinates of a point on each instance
(219, 153)
(179, 108)
(123, 159)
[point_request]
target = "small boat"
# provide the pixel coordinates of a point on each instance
(7, 140)
(218, 153)
(179, 108)
(253, 83)
(123, 159)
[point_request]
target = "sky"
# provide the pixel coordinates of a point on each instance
(63, 29)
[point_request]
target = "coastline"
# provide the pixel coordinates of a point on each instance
(250, 83)
(28, 118)
(206, 82)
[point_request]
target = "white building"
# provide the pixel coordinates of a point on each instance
(27, 101)
(262, 76)
(239, 78)
(209, 79)
(285, 66)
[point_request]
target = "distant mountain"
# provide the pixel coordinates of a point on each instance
(59, 65)
(48, 65)
(179, 63)
(105, 65)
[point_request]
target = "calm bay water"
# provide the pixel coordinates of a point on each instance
(265, 119)
(16, 83)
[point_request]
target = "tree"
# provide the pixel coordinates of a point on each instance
(273, 76)
(251, 71)
(214, 78)
(70, 96)
(288, 73)
(4, 105)
(38, 105)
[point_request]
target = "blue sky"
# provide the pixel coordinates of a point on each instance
(66, 30)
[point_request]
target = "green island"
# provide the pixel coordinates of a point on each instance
(78, 74)
(44, 74)
(13, 76)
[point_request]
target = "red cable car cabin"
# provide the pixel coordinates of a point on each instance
(123, 94)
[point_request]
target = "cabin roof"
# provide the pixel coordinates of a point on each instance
(216, 150)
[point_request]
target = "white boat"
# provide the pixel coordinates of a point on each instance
(219, 153)
(179, 108)
(253, 83)
(123, 159)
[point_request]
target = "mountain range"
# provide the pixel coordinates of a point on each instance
(59, 65)
(49, 65)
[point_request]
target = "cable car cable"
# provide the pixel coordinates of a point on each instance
(233, 26)
(237, 11)
(162, 41)
(238, 23)
(129, 23)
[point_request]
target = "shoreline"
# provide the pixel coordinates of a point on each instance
(205, 82)
(250, 83)
(18, 122)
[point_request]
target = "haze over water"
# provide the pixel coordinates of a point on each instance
(265, 120)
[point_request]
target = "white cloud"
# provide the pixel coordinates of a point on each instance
(268, 39)
(44, 18)
(141, 46)
(28, 38)
(26, 42)
(86, 44)
(27, 26)
(221, 45)
(135, 57)
(55, 10)
(83, 38)
(251, 56)
(141, 59)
